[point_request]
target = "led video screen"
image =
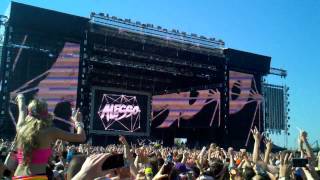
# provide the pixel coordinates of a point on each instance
(192, 109)
(62, 78)
(116, 111)
(46, 69)
(243, 90)
(245, 106)
(202, 108)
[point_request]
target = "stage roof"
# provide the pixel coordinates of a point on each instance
(70, 27)
(43, 20)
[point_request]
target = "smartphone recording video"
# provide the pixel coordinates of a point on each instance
(299, 162)
(112, 162)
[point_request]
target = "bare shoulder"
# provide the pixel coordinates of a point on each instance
(49, 130)
(46, 136)
(49, 133)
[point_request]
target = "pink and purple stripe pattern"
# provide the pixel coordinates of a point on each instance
(62, 80)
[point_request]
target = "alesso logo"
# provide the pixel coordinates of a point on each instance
(118, 111)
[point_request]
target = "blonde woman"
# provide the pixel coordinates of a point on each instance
(35, 136)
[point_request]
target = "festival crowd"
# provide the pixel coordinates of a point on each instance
(41, 151)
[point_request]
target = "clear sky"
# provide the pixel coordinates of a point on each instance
(287, 30)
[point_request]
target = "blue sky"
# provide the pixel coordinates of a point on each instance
(287, 30)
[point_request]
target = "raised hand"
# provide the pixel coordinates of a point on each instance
(160, 174)
(127, 154)
(77, 117)
(310, 172)
(123, 140)
(267, 152)
(285, 165)
(256, 134)
(185, 156)
(268, 143)
(303, 136)
(22, 110)
(20, 98)
(230, 151)
(92, 167)
(304, 140)
(257, 139)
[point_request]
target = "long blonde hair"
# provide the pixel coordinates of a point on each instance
(27, 135)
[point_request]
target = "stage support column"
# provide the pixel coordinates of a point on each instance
(6, 126)
(83, 101)
(225, 97)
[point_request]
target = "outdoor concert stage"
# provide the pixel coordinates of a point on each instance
(131, 78)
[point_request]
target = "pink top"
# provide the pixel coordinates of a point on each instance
(39, 156)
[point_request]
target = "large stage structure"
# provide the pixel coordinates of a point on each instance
(131, 78)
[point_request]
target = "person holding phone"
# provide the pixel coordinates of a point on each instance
(92, 167)
(99, 165)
